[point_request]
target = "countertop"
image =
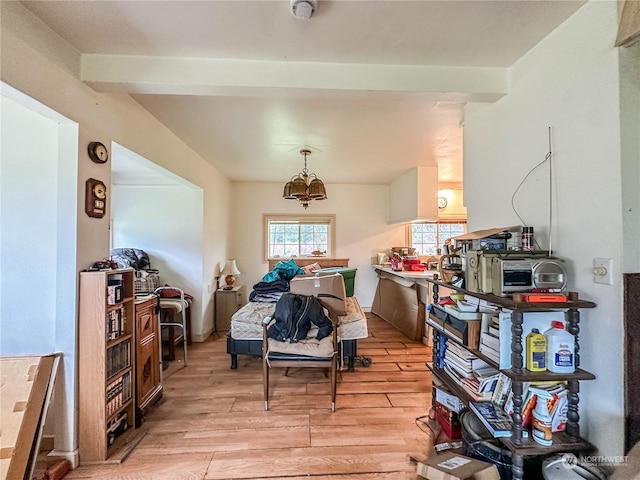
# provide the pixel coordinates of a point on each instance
(407, 274)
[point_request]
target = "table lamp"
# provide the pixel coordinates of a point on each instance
(230, 269)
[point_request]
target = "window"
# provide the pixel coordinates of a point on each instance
(428, 238)
(298, 236)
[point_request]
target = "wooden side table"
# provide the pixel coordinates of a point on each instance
(228, 302)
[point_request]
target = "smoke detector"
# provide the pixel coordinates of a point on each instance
(303, 9)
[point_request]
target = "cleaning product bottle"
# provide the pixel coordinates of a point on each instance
(536, 351)
(560, 349)
(541, 423)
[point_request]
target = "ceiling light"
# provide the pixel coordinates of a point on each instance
(303, 9)
(304, 187)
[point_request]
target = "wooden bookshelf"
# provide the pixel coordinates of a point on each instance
(106, 366)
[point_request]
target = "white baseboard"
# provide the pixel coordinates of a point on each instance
(71, 456)
(202, 337)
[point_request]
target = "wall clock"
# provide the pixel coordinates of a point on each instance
(442, 202)
(98, 152)
(95, 202)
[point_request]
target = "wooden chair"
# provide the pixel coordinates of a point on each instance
(330, 292)
(327, 360)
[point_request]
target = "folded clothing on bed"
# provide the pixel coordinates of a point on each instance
(269, 292)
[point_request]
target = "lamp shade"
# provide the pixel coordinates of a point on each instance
(230, 268)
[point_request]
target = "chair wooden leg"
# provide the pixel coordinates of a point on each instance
(334, 379)
(265, 381)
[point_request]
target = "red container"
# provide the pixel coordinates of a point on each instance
(449, 421)
(409, 262)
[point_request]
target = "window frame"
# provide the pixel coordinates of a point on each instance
(409, 229)
(329, 219)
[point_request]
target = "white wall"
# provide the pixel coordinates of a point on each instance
(361, 228)
(38, 63)
(630, 140)
(569, 82)
(38, 219)
(166, 222)
(29, 162)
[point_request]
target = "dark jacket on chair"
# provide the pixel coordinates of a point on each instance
(294, 316)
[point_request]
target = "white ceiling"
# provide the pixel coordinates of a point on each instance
(372, 87)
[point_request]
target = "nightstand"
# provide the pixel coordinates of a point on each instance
(228, 302)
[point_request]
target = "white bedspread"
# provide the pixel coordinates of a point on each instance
(246, 323)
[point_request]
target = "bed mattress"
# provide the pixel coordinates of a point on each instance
(246, 323)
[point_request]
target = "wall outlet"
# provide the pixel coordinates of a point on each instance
(603, 271)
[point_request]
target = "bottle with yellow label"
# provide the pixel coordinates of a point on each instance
(536, 351)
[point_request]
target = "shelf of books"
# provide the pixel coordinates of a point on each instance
(106, 366)
(475, 342)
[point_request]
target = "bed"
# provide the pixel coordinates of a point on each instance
(245, 334)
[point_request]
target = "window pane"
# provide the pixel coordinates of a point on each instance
(429, 238)
(293, 237)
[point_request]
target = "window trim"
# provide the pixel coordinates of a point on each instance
(309, 218)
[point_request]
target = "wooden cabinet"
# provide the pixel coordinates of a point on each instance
(148, 367)
(228, 302)
(106, 366)
(519, 445)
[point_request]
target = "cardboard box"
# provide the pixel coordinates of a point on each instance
(450, 401)
(452, 466)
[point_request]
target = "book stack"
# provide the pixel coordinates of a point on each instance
(480, 386)
(497, 421)
(501, 391)
(490, 340)
(460, 363)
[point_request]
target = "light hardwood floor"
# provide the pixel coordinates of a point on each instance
(211, 422)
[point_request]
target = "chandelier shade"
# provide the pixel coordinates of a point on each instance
(304, 187)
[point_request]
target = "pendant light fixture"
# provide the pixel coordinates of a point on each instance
(305, 187)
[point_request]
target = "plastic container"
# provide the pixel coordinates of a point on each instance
(349, 275)
(541, 423)
(536, 351)
(560, 349)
